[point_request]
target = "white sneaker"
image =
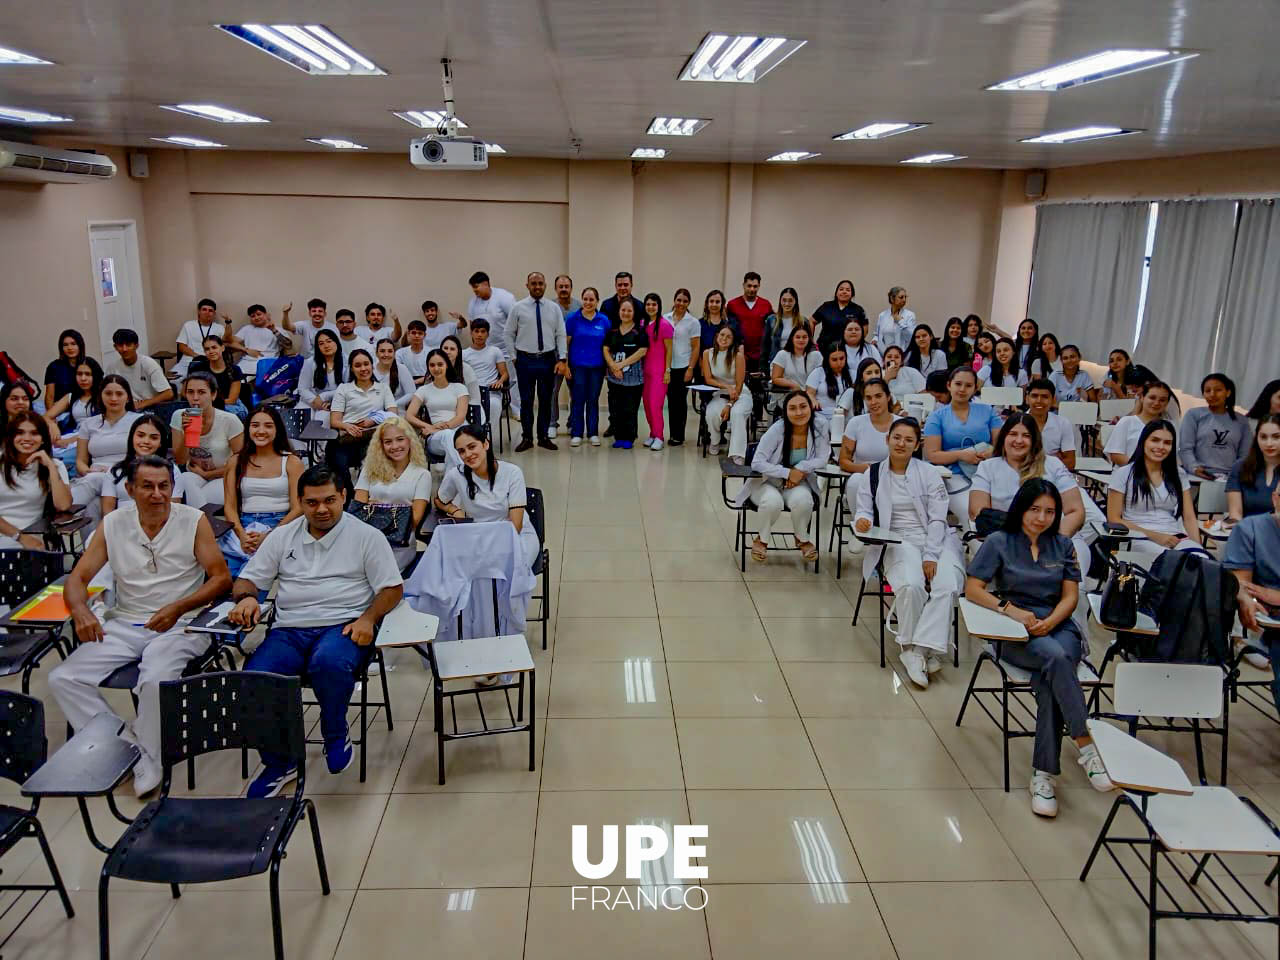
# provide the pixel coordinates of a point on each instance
(1091, 761)
(147, 775)
(551, 432)
(657, 445)
(1258, 661)
(916, 672)
(1044, 801)
(575, 442)
(933, 663)
(595, 441)
(714, 449)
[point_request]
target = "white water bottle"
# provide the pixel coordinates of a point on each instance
(837, 427)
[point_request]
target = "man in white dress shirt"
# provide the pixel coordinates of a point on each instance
(494, 304)
(536, 337)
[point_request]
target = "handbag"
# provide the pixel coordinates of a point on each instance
(1119, 607)
(988, 521)
(393, 521)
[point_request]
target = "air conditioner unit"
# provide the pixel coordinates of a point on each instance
(26, 161)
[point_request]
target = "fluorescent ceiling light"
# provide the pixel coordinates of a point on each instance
(188, 141)
(934, 158)
(312, 48)
(737, 58)
(675, 126)
(426, 119)
(13, 57)
(19, 115)
(337, 143)
(878, 131)
(210, 111)
(1079, 133)
(493, 148)
(791, 156)
(648, 153)
(1097, 66)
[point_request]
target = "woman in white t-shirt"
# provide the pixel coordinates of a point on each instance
(1152, 496)
(1003, 371)
(393, 371)
(923, 354)
(830, 386)
(795, 361)
(686, 349)
(1152, 404)
(444, 402)
(260, 488)
(321, 372)
(66, 413)
(1071, 383)
(30, 479)
(358, 406)
(103, 440)
(148, 436)
(460, 370)
(395, 473)
(221, 436)
(486, 489)
(866, 436)
(902, 379)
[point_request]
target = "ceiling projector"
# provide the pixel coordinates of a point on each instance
(448, 153)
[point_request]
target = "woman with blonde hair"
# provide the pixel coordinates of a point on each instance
(395, 473)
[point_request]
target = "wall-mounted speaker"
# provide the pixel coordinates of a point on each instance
(1035, 184)
(139, 167)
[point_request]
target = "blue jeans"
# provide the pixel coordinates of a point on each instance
(584, 398)
(326, 660)
(230, 543)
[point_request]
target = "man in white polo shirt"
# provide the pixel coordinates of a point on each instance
(166, 564)
(336, 578)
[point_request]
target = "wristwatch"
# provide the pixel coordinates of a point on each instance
(1003, 604)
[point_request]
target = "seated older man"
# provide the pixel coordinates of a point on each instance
(166, 564)
(336, 578)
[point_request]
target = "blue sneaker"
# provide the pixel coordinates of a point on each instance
(338, 754)
(625, 444)
(271, 780)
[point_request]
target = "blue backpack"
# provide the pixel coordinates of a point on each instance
(276, 377)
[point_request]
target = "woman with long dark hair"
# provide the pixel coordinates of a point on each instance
(972, 327)
(657, 369)
(724, 366)
(60, 374)
(902, 379)
(1003, 371)
(795, 361)
(391, 370)
(459, 370)
(1152, 404)
(984, 351)
(856, 346)
(1027, 571)
(444, 403)
(1214, 437)
(1027, 344)
(229, 377)
(952, 345)
(1267, 403)
(322, 372)
(686, 348)
(31, 481)
(14, 399)
(103, 440)
(1122, 376)
(625, 347)
(261, 492)
(1253, 480)
(790, 317)
(1049, 357)
(148, 436)
(486, 489)
(221, 437)
(787, 457)
(959, 435)
(830, 387)
(923, 353)
(66, 414)
(832, 316)
(1071, 383)
(1151, 496)
(714, 317)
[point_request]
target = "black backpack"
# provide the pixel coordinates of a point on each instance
(1193, 599)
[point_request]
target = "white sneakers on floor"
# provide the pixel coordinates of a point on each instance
(595, 441)
(933, 662)
(1044, 800)
(714, 449)
(575, 442)
(551, 432)
(656, 445)
(1091, 761)
(917, 670)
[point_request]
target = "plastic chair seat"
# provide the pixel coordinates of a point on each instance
(122, 678)
(1084, 673)
(17, 650)
(200, 839)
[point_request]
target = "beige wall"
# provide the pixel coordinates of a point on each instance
(1243, 173)
(46, 278)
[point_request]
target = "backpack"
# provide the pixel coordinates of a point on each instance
(10, 372)
(281, 377)
(874, 480)
(1194, 599)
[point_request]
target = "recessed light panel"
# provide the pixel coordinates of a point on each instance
(14, 57)
(312, 48)
(675, 126)
(188, 142)
(426, 119)
(878, 131)
(1079, 133)
(20, 115)
(209, 111)
(934, 158)
(648, 153)
(1097, 66)
(737, 58)
(336, 143)
(792, 156)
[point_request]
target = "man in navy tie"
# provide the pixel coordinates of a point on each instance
(536, 334)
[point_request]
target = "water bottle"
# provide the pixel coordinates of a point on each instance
(837, 427)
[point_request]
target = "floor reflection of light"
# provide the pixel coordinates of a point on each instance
(818, 858)
(954, 826)
(656, 875)
(461, 900)
(637, 680)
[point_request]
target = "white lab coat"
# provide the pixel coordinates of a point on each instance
(928, 490)
(769, 461)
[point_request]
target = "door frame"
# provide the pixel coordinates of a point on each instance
(134, 280)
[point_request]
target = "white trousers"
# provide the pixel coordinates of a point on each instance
(739, 414)
(923, 612)
(958, 503)
(164, 656)
(200, 492)
(1150, 549)
(440, 443)
(770, 500)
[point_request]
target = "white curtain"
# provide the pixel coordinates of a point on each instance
(1087, 271)
(1249, 340)
(1190, 264)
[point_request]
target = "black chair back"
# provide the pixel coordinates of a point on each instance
(295, 421)
(23, 746)
(26, 572)
(234, 710)
(166, 410)
(536, 508)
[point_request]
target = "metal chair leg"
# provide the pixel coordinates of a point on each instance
(386, 692)
(53, 868)
(315, 839)
(104, 928)
(277, 930)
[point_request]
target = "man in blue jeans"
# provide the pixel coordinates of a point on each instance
(336, 578)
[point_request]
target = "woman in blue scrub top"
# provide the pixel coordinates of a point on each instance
(955, 435)
(1027, 570)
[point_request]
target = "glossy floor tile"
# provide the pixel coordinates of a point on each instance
(848, 816)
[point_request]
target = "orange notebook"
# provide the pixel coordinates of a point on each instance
(47, 606)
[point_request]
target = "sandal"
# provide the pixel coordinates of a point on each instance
(759, 551)
(808, 551)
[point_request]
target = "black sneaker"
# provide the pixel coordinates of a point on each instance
(524, 445)
(608, 431)
(675, 443)
(546, 445)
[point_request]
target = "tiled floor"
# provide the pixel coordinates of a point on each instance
(848, 815)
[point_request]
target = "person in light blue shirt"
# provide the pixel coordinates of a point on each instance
(960, 435)
(1253, 554)
(587, 330)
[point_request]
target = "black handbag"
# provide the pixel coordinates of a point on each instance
(393, 521)
(1119, 607)
(988, 521)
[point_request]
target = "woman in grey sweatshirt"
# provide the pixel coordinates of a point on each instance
(1213, 437)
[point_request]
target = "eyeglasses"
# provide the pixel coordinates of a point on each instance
(152, 565)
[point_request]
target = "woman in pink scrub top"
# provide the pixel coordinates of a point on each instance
(657, 368)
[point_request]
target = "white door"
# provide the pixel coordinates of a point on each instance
(117, 281)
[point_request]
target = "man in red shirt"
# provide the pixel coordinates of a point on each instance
(756, 319)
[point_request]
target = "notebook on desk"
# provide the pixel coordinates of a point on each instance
(214, 619)
(47, 606)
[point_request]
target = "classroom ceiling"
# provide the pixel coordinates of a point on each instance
(583, 78)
